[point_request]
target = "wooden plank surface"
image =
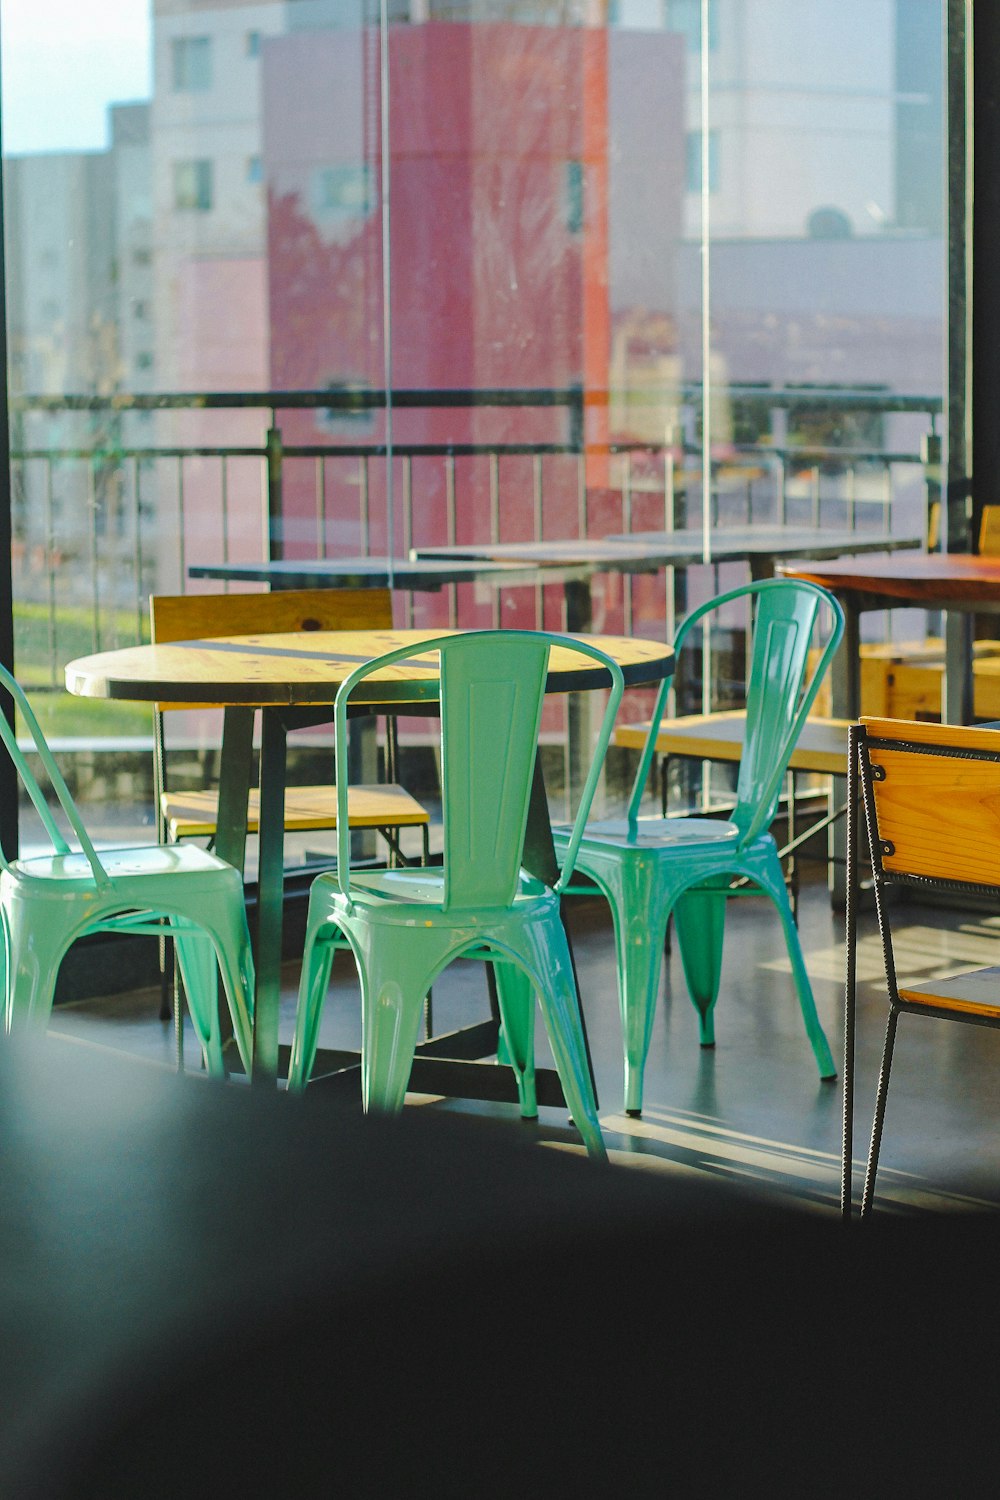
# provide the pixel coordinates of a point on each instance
(940, 813)
(308, 667)
(920, 579)
(822, 746)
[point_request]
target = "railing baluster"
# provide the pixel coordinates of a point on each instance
(451, 522)
(225, 515)
(536, 476)
(320, 507)
(181, 550)
(365, 502)
(887, 496)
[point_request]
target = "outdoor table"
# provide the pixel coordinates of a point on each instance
(955, 582)
(412, 575)
(648, 551)
(292, 680)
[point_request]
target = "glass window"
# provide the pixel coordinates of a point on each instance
(343, 190)
(693, 164)
(193, 185)
(252, 44)
(191, 63)
(685, 16)
(255, 169)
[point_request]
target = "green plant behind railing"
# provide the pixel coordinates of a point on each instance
(60, 714)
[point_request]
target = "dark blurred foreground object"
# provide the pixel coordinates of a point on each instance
(214, 1292)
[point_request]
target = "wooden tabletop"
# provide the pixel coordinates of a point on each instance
(307, 667)
(931, 579)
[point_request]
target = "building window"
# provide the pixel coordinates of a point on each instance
(140, 311)
(343, 192)
(142, 257)
(144, 361)
(255, 169)
(253, 44)
(692, 160)
(574, 196)
(193, 185)
(191, 63)
(685, 16)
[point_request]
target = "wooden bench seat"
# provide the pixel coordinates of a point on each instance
(822, 746)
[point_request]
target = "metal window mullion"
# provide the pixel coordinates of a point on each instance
(137, 549)
(364, 517)
(408, 530)
(95, 576)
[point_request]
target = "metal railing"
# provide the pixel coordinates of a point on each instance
(105, 512)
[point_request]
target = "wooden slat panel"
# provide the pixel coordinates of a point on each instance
(185, 617)
(941, 814)
(188, 617)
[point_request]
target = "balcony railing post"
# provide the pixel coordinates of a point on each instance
(274, 534)
(930, 458)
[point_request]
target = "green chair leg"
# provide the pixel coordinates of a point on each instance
(199, 975)
(560, 1007)
(317, 961)
(517, 1015)
(391, 1009)
(700, 919)
(768, 876)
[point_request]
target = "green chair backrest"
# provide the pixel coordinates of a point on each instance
(56, 779)
(492, 685)
(778, 696)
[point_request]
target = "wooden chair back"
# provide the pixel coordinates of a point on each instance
(989, 531)
(187, 617)
(936, 795)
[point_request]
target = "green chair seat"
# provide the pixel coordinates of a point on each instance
(655, 868)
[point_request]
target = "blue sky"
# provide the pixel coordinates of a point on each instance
(64, 61)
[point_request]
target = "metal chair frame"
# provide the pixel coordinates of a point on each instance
(863, 773)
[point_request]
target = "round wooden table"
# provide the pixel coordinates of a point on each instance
(292, 680)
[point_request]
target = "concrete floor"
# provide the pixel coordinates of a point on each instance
(753, 1108)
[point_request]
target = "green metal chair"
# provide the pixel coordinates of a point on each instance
(405, 926)
(49, 901)
(650, 868)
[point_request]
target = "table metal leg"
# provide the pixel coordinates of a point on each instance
(580, 707)
(958, 682)
(236, 769)
(270, 895)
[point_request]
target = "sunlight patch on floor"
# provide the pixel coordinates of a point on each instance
(920, 953)
(715, 1150)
